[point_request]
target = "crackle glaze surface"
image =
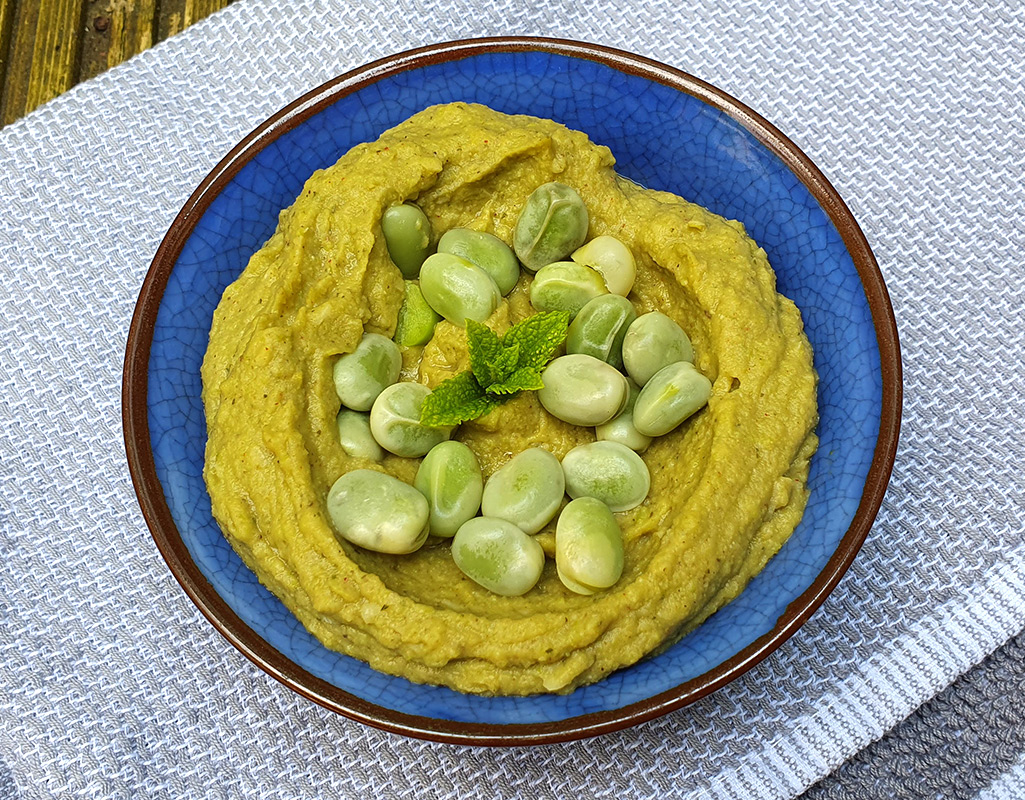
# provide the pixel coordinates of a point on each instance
(662, 138)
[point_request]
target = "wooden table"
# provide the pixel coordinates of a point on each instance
(47, 46)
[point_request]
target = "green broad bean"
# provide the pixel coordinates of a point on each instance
(395, 421)
(457, 289)
(588, 546)
(565, 286)
(451, 480)
(355, 437)
(527, 491)
(654, 341)
(378, 512)
(488, 252)
(582, 390)
(608, 471)
(360, 376)
(612, 259)
(552, 224)
(497, 555)
(621, 428)
(599, 327)
(407, 235)
(673, 394)
(417, 319)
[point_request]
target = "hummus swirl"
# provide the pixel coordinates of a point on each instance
(727, 487)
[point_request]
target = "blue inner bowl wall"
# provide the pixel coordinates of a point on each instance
(663, 139)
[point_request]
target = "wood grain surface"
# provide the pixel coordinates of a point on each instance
(47, 46)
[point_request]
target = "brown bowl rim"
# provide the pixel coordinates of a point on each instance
(223, 618)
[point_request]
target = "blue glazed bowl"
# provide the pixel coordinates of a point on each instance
(668, 131)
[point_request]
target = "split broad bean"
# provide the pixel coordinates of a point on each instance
(613, 259)
(355, 436)
(415, 325)
(621, 428)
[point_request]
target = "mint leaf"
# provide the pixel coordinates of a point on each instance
(523, 379)
(454, 401)
(485, 350)
(538, 337)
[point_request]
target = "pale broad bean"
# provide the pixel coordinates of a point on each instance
(599, 328)
(565, 286)
(582, 390)
(395, 421)
(355, 436)
(488, 252)
(671, 396)
(552, 224)
(652, 342)
(457, 289)
(497, 555)
(378, 512)
(360, 376)
(527, 491)
(621, 428)
(608, 471)
(407, 235)
(451, 480)
(588, 546)
(415, 325)
(612, 259)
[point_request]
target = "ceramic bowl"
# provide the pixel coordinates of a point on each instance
(668, 130)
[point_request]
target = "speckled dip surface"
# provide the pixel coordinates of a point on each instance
(662, 138)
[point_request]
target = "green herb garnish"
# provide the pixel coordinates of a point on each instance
(499, 368)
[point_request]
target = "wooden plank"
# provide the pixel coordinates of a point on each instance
(132, 24)
(177, 15)
(42, 54)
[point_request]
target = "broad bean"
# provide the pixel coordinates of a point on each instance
(526, 491)
(417, 319)
(621, 428)
(608, 471)
(457, 289)
(497, 555)
(582, 390)
(395, 421)
(599, 328)
(588, 546)
(565, 286)
(407, 235)
(552, 224)
(355, 436)
(450, 478)
(360, 376)
(378, 512)
(673, 394)
(654, 341)
(488, 252)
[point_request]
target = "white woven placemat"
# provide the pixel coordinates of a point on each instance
(114, 686)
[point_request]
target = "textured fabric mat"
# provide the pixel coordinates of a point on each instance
(113, 684)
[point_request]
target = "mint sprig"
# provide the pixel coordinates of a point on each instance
(499, 368)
